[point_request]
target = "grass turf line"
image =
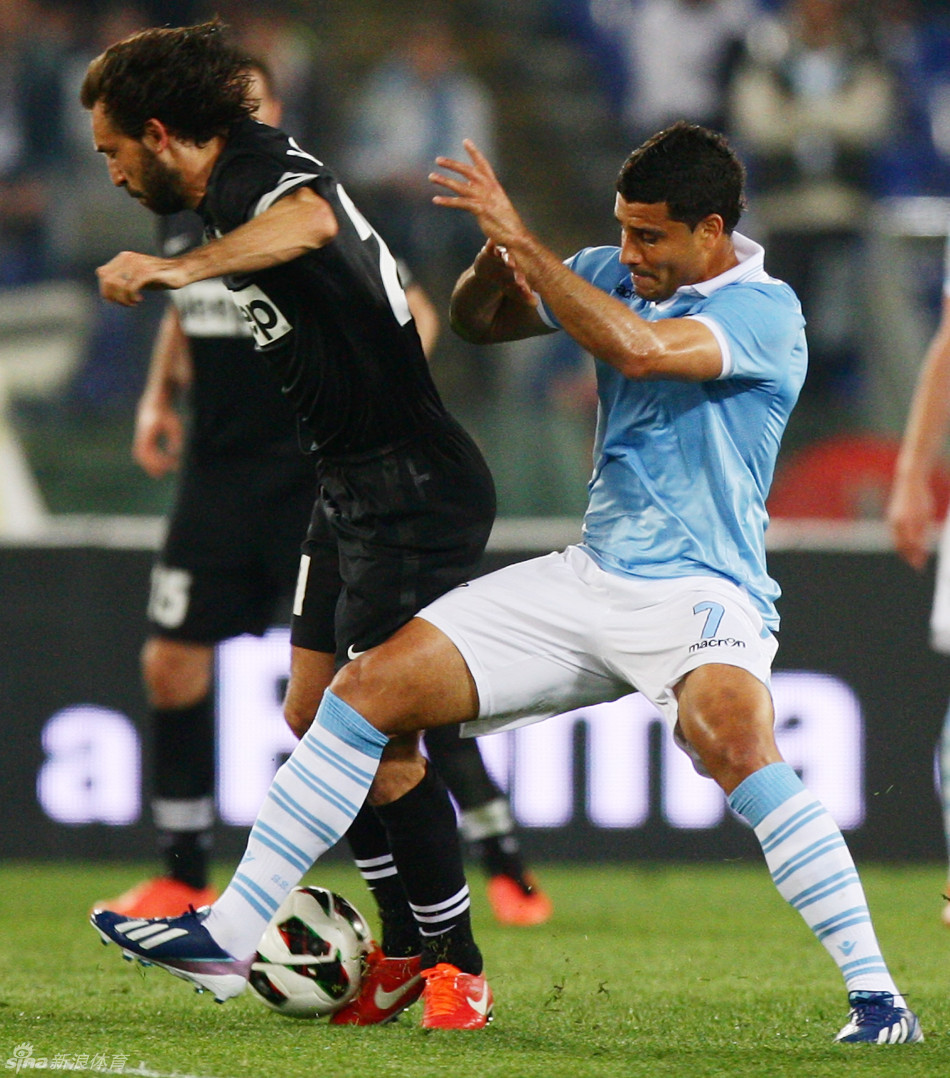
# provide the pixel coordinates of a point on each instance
(691, 970)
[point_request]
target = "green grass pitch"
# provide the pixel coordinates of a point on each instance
(685, 971)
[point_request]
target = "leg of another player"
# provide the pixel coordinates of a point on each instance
(944, 755)
(726, 714)
(310, 674)
(406, 845)
(177, 677)
(489, 827)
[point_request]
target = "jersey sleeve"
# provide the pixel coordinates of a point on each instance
(758, 326)
(251, 184)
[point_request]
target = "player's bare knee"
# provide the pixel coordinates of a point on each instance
(367, 685)
(175, 675)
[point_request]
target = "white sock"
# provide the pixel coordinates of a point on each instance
(309, 806)
(813, 871)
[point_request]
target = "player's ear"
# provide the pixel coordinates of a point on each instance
(155, 135)
(711, 228)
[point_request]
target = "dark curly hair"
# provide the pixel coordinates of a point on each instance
(190, 77)
(690, 168)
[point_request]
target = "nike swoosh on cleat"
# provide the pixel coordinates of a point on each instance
(384, 1000)
(480, 1005)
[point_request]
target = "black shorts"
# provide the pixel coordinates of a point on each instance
(388, 535)
(232, 548)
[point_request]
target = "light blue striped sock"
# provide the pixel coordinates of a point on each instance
(813, 871)
(309, 806)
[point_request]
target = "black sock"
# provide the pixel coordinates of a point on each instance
(500, 855)
(459, 763)
(183, 805)
(370, 847)
(186, 856)
(427, 850)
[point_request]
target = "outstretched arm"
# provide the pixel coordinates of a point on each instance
(301, 221)
(911, 512)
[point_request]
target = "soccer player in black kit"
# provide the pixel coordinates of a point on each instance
(405, 501)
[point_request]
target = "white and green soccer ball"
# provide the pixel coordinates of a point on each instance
(311, 957)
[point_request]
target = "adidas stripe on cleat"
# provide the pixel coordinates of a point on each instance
(875, 1020)
(180, 945)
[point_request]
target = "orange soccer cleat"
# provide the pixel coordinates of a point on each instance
(159, 897)
(455, 1000)
(518, 902)
(390, 985)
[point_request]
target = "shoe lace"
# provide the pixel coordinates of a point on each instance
(874, 1009)
(441, 992)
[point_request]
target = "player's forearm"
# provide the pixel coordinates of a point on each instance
(474, 307)
(169, 370)
(288, 229)
(929, 419)
(600, 324)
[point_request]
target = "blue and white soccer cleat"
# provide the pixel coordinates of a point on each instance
(875, 1020)
(181, 945)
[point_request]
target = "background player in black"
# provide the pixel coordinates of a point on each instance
(403, 489)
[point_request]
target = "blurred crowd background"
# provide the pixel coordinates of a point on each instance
(841, 109)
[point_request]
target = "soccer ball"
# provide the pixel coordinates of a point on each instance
(310, 960)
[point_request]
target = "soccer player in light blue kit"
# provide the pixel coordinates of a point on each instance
(700, 357)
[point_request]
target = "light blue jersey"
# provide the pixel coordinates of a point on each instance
(682, 469)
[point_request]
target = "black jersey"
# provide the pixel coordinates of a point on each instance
(236, 403)
(335, 321)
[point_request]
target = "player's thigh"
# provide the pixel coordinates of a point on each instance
(661, 630)
(415, 680)
(317, 594)
(210, 582)
(529, 635)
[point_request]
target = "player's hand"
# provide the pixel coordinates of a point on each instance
(159, 438)
(911, 516)
(123, 279)
(498, 266)
(476, 188)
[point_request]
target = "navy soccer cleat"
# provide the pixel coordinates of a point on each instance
(181, 945)
(875, 1020)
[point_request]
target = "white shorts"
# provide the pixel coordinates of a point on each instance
(555, 633)
(940, 612)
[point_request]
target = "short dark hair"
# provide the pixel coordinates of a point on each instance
(692, 169)
(189, 77)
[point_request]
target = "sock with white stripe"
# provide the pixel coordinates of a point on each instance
(425, 843)
(183, 801)
(310, 804)
(369, 844)
(813, 871)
